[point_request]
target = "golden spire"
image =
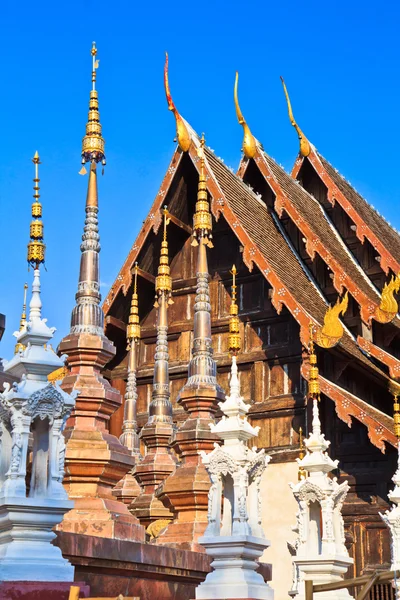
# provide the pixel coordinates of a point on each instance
(313, 383)
(234, 335)
(22, 323)
(305, 147)
(202, 220)
(182, 133)
(164, 279)
(93, 142)
(396, 414)
(302, 474)
(249, 142)
(36, 246)
(133, 328)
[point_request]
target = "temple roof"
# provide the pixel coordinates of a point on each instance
(266, 245)
(319, 232)
(369, 223)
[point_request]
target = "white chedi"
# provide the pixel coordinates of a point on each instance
(32, 417)
(234, 536)
(320, 553)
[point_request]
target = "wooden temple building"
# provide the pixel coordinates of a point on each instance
(311, 257)
(302, 242)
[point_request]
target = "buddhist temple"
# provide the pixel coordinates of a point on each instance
(177, 368)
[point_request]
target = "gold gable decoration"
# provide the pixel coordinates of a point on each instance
(388, 307)
(249, 143)
(305, 147)
(332, 330)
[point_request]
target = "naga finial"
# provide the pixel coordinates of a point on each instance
(305, 147)
(388, 307)
(249, 141)
(182, 133)
(332, 330)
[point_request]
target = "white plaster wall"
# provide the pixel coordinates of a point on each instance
(279, 515)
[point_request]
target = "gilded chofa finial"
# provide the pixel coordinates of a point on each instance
(202, 220)
(331, 332)
(313, 383)
(234, 335)
(305, 147)
(36, 246)
(302, 474)
(249, 142)
(182, 133)
(93, 142)
(164, 279)
(133, 328)
(22, 323)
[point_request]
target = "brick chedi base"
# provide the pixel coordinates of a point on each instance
(95, 460)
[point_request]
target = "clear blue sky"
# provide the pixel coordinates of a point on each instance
(340, 61)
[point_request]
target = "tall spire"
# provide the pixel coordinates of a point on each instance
(129, 436)
(182, 133)
(160, 408)
(202, 366)
(305, 147)
(22, 323)
(87, 315)
(36, 245)
(159, 461)
(249, 143)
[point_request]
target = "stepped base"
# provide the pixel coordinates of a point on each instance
(102, 517)
(34, 590)
(26, 533)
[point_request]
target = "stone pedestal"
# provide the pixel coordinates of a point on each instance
(324, 570)
(234, 564)
(186, 491)
(26, 530)
(95, 460)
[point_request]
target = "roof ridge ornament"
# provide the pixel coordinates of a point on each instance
(249, 142)
(332, 330)
(388, 307)
(93, 142)
(305, 147)
(182, 133)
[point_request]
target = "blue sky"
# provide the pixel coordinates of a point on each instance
(340, 61)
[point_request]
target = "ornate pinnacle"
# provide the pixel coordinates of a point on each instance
(133, 329)
(36, 246)
(202, 220)
(93, 142)
(160, 409)
(249, 143)
(302, 472)
(22, 323)
(396, 414)
(234, 335)
(305, 147)
(313, 383)
(164, 279)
